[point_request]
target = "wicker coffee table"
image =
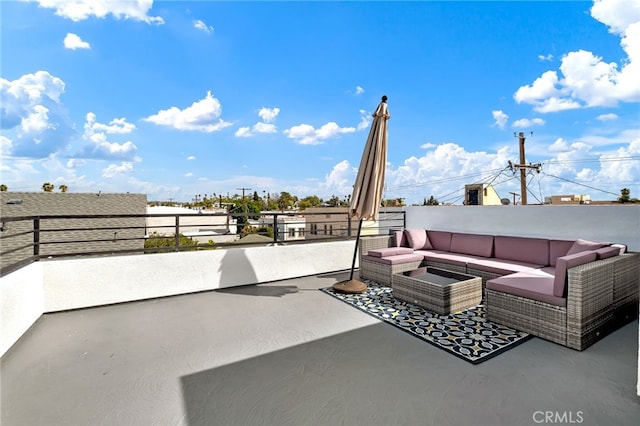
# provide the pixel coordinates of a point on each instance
(437, 290)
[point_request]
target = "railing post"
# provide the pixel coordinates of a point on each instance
(275, 227)
(404, 219)
(176, 246)
(348, 225)
(36, 236)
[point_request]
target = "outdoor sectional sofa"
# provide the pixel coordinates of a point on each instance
(569, 292)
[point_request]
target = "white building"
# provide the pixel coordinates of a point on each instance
(201, 225)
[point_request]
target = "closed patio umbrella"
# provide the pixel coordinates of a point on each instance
(367, 190)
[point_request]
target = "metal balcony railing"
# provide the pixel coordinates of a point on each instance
(26, 239)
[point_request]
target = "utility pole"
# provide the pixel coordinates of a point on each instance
(243, 189)
(523, 169)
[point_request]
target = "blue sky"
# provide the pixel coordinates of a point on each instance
(174, 99)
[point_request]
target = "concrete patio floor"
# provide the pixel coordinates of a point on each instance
(284, 353)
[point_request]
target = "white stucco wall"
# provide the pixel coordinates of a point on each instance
(21, 303)
(57, 285)
(613, 223)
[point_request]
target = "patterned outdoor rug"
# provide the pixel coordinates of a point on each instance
(465, 334)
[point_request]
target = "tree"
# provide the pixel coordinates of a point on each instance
(3, 188)
(63, 188)
(625, 195)
(310, 201)
(286, 201)
(47, 187)
(431, 202)
(334, 201)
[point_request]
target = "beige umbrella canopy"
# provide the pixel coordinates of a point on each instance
(367, 191)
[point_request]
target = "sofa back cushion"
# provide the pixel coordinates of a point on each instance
(558, 248)
(389, 251)
(585, 245)
(563, 264)
(440, 240)
(607, 252)
(474, 244)
(521, 249)
(417, 239)
(399, 239)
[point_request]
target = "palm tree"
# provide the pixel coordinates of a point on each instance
(63, 188)
(47, 187)
(3, 188)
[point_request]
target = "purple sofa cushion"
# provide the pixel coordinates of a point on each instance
(520, 249)
(558, 248)
(395, 260)
(390, 251)
(536, 285)
(399, 239)
(440, 240)
(444, 257)
(418, 239)
(474, 244)
(607, 252)
(566, 262)
(584, 245)
(499, 266)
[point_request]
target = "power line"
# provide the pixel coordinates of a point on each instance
(580, 184)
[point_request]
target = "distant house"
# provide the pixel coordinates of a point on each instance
(481, 194)
(200, 225)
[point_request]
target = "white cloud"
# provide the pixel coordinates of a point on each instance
(79, 10)
(243, 132)
(200, 25)
(203, 116)
(560, 145)
(99, 147)
(306, 134)
(587, 80)
(31, 109)
(73, 42)
(428, 145)
(191, 157)
(5, 145)
(524, 123)
(268, 114)
(264, 128)
(113, 169)
(188, 175)
(339, 180)
(73, 163)
(36, 121)
(117, 125)
(365, 120)
(500, 118)
(359, 90)
(607, 117)
(548, 57)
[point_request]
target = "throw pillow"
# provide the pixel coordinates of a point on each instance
(584, 245)
(418, 239)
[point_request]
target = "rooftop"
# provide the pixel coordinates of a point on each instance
(284, 353)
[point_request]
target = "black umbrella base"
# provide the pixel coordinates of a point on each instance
(351, 286)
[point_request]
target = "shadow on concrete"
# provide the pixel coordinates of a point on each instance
(375, 375)
(262, 290)
(236, 269)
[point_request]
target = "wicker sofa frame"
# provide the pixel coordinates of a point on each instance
(601, 296)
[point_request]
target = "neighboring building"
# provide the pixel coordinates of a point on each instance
(324, 222)
(568, 199)
(290, 228)
(93, 234)
(481, 194)
(200, 225)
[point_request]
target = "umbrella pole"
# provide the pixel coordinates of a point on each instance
(355, 251)
(352, 286)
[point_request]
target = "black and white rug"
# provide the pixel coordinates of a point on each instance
(465, 334)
